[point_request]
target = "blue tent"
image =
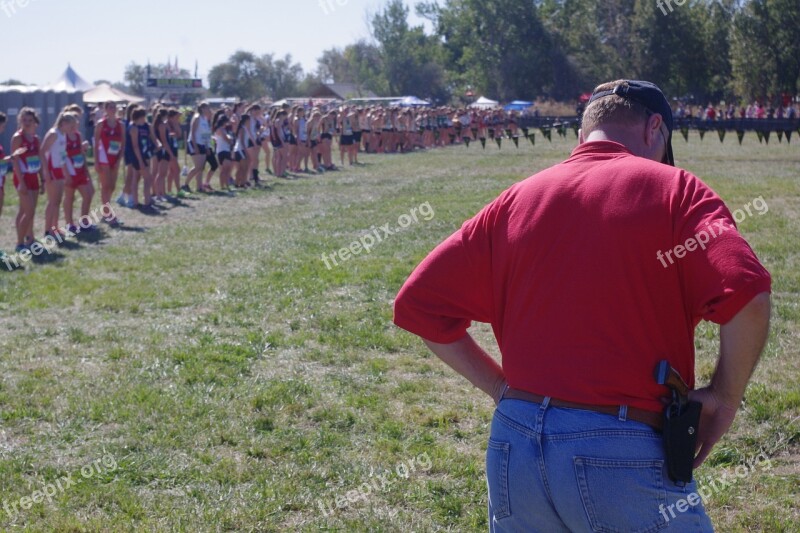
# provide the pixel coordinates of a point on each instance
(518, 105)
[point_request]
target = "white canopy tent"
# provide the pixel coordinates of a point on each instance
(484, 103)
(70, 81)
(106, 93)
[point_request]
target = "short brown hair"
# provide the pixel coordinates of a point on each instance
(612, 109)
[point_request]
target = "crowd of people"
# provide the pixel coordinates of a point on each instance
(729, 112)
(227, 141)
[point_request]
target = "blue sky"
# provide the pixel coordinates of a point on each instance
(99, 38)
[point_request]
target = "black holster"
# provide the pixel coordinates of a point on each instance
(681, 423)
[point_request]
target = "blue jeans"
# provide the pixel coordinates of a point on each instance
(553, 469)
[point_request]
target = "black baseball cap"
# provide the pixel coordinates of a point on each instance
(648, 95)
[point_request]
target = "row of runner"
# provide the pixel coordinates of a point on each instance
(229, 141)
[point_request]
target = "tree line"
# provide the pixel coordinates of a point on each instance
(702, 50)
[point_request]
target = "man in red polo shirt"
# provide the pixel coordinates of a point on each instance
(590, 272)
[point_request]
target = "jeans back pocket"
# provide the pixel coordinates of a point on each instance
(621, 496)
(497, 477)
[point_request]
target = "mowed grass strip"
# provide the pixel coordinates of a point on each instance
(242, 385)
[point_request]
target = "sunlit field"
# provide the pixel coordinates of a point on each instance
(205, 369)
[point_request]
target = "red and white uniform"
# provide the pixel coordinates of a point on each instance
(57, 156)
(76, 162)
(29, 163)
(110, 148)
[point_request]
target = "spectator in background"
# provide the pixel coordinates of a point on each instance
(711, 113)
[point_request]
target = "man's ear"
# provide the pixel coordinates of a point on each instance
(651, 132)
(581, 140)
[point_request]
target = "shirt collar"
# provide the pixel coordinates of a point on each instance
(599, 148)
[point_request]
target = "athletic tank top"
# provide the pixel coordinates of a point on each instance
(202, 135)
(111, 138)
(57, 154)
(302, 129)
(29, 161)
(76, 161)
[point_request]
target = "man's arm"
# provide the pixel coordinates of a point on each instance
(741, 342)
(471, 361)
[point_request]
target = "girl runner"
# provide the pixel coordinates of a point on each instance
(139, 154)
(173, 135)
(109, 142)
(197, 145)
(300, 132)
(27, 173)
(240, 151)
(278, 145)
(79, 180)
(163, 156)
(223, 143)
(55, 170)
(254, 140)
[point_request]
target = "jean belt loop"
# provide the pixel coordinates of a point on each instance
(623, 413)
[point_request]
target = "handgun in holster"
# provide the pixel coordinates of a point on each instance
(681, 424)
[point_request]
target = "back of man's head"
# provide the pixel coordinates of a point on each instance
(612, 110)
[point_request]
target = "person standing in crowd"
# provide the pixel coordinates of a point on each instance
(578, 409)
(27, 173)
(223, 143)
(197, 146)
(139, 154)
(55, 169)
(163, 156)
(78, 179)
(174, 134)
(109, 142)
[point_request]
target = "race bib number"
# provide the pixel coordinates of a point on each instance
(205, 138)
(114, 148)
(78, 161)
(33, 164)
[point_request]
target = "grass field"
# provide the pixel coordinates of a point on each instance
(204, 370)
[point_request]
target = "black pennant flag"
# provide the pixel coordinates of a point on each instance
(525, 132)
(547, 134)
(483, 142)
(721, 133)
(466, 141)
(788, 136)
(740, 134)
(780, 136)
(499, 141)
(760, 136)
(702, 134)
(516, 141)
(766, 136)
(532, 139)
(575, 128)
(685, 133)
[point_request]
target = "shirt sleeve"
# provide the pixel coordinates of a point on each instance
(452, 286)
(720, 272)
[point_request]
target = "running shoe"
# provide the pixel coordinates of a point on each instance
(73, 228)
(121, 200)
(181, 194)
(186, 188)
(21, 248)
(130, 204)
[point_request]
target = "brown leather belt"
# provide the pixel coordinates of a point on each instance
(654, 420)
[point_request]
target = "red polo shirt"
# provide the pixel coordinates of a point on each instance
(565, 266)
